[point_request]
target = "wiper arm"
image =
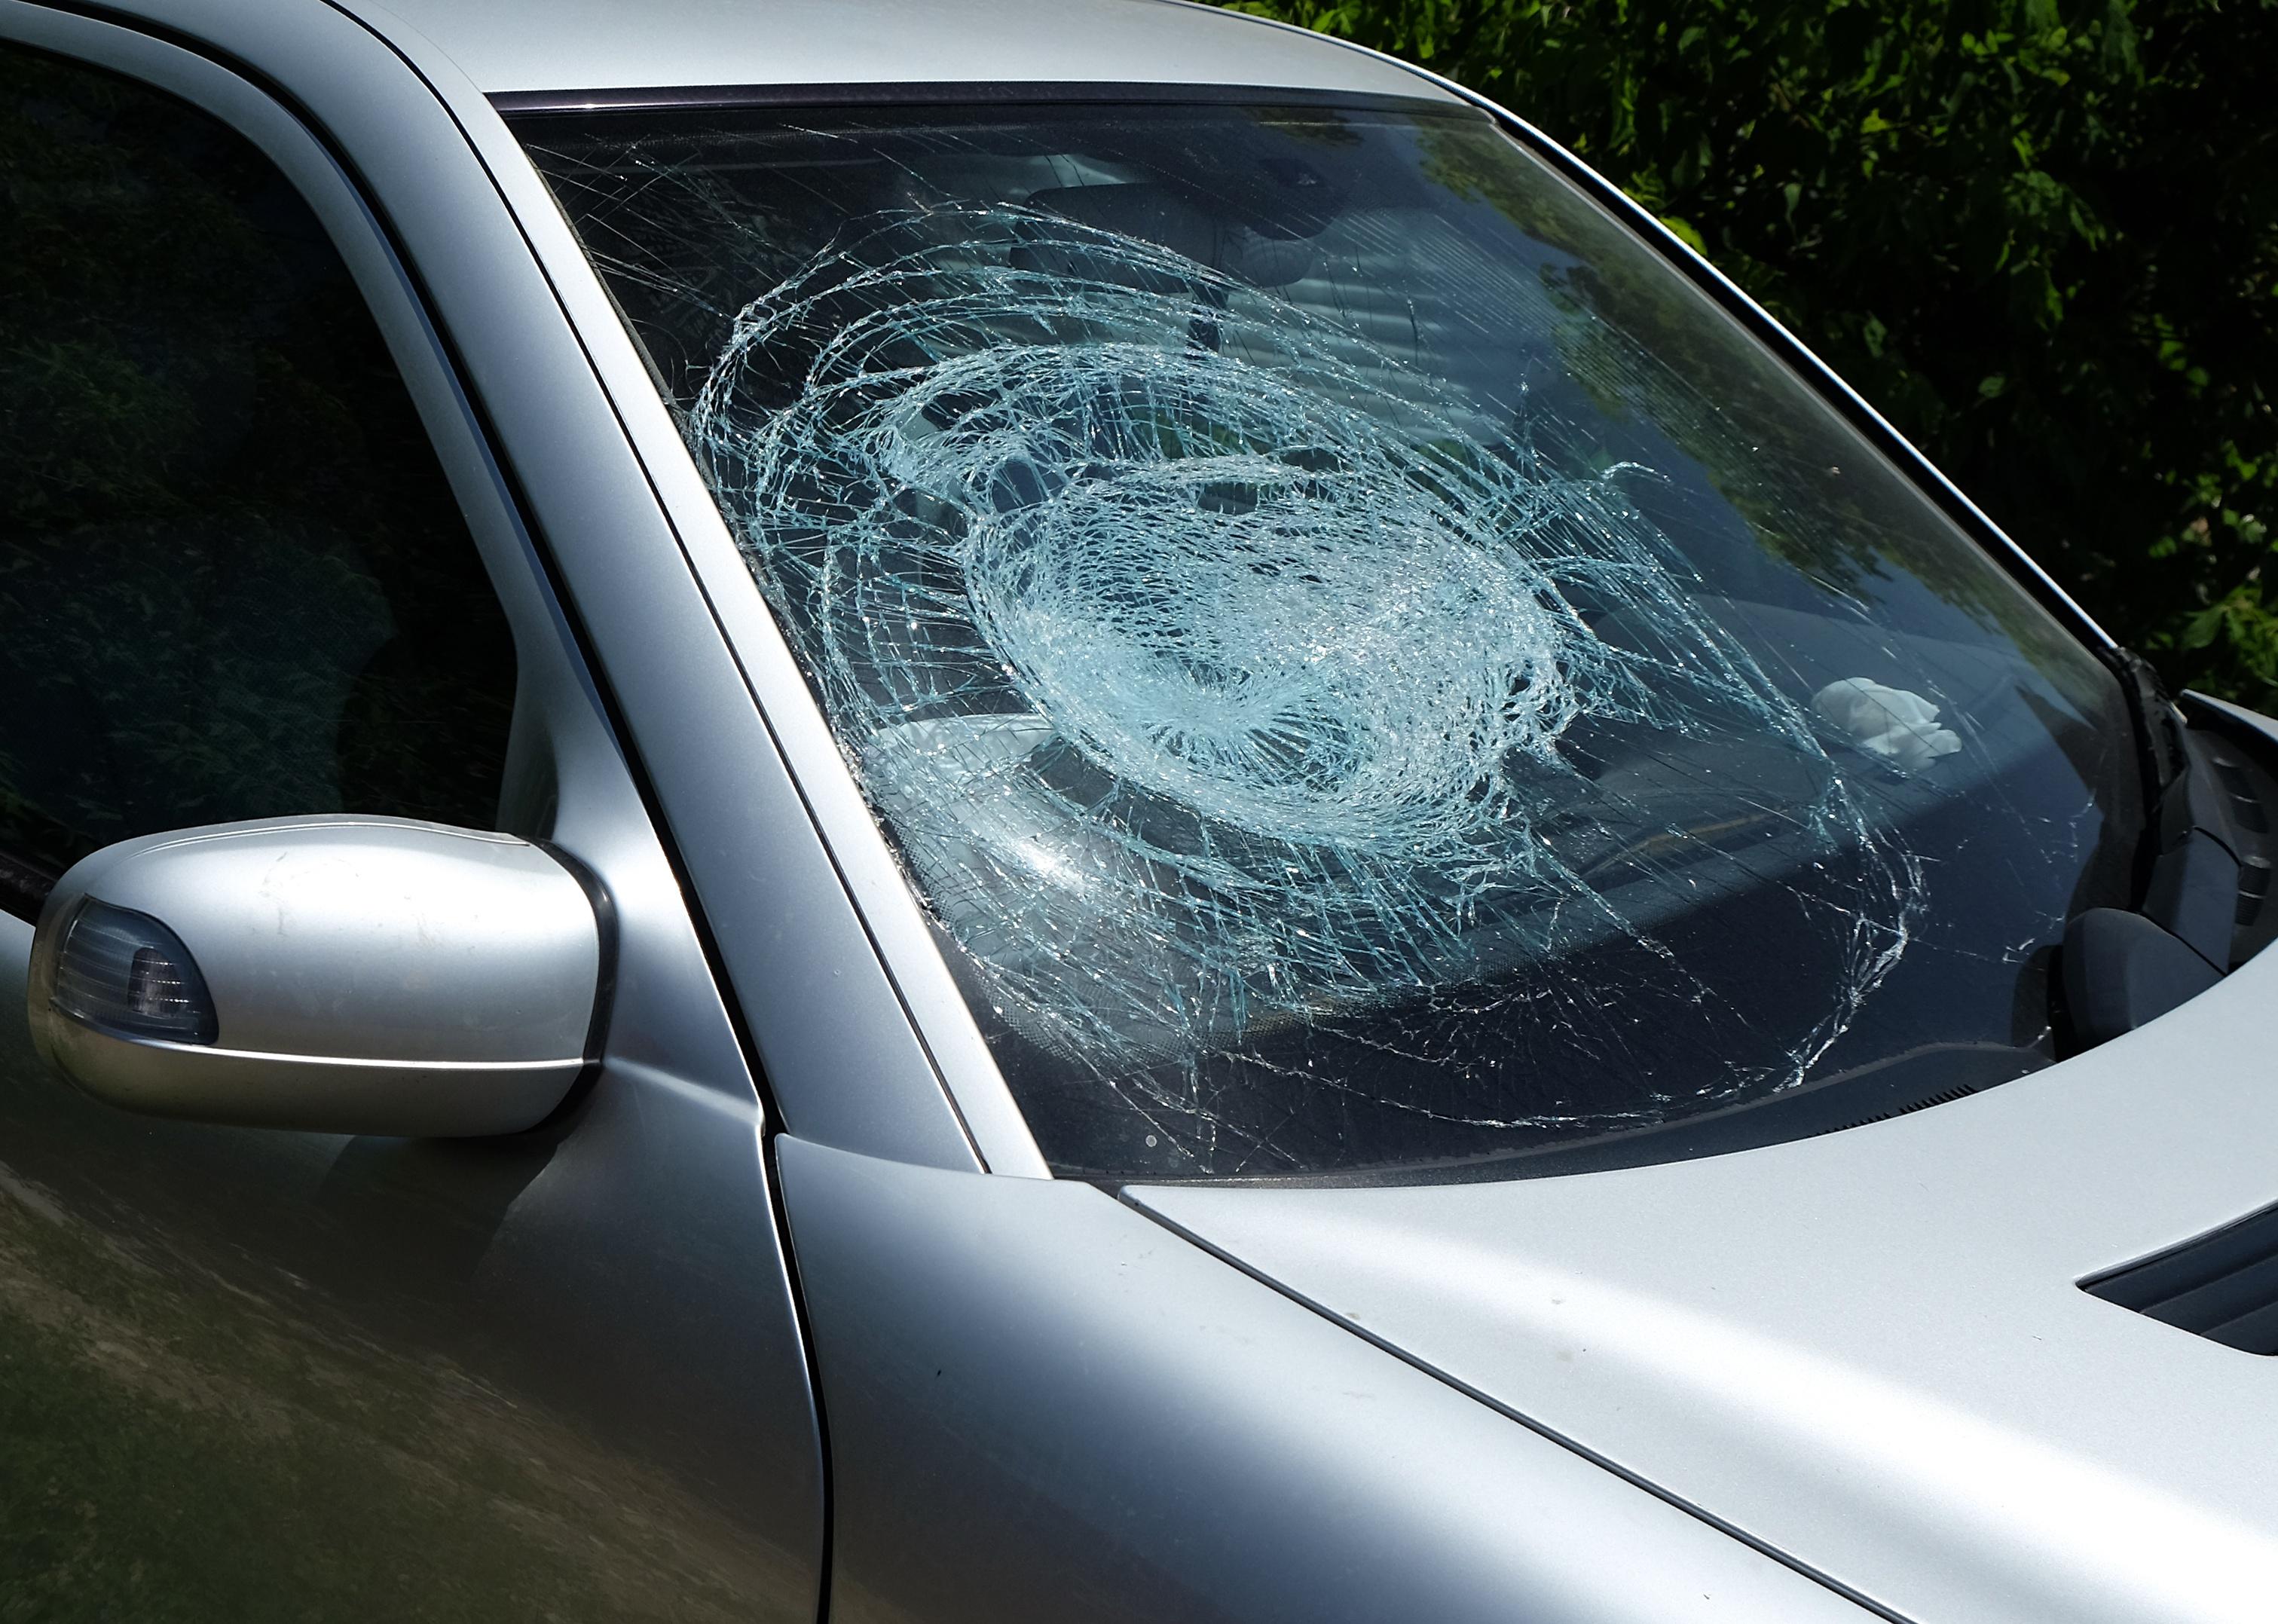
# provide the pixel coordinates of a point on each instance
(2162, 754)
(2122, 968)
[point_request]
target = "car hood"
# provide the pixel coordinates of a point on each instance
(1869, 1352)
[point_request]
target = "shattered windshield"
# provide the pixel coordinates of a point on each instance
(1364, 665)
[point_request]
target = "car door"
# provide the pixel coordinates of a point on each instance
(260, 558)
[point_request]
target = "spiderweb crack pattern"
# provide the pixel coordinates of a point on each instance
(1211, 669)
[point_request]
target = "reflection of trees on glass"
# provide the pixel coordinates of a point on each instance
(2035, 233)
(232, 580)
(1645, 347)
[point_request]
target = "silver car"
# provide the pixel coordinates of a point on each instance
(1053, 810)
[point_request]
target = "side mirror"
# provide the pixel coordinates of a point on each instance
(346, 975)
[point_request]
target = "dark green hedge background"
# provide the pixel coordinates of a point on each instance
(2042, 237)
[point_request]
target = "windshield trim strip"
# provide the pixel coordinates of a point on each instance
(945, 93)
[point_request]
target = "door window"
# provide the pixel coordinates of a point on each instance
(233, 581)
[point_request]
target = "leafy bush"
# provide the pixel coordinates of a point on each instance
(2040, 235)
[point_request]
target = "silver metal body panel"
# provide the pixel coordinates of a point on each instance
(1045, 1406)
(1869, 1350)
(572, 1357)
(509, 45)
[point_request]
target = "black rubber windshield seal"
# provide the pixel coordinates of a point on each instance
(961, 93)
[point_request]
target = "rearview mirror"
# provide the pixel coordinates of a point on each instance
(346, 975)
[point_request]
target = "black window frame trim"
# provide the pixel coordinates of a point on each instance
(960, 93)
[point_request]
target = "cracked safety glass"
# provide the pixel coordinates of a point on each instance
(1366, 669)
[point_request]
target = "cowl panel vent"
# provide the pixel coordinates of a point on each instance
(2222, 1286)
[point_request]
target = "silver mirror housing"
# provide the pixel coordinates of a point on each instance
(344, 975)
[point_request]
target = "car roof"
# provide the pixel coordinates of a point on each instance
(507, 46)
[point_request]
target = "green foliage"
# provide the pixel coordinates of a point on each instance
(2040, 235)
